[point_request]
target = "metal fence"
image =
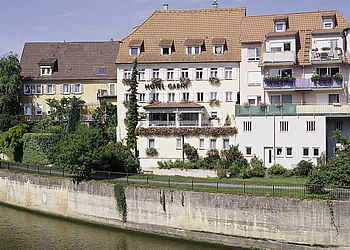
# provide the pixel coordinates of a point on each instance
(197, 184)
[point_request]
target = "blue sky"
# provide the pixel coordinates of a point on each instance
(100, 20)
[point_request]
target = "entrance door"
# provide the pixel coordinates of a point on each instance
(268, 157)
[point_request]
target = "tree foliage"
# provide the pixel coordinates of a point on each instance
(191, 152)
(104, 119)
(14, 136)
(73, 115)
(133, 118)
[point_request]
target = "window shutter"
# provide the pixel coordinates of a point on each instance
(162, 74)
(81, 88)
(234, 96)
(192, 96)
(44, 89)
(72, 90)
(205, 74)
(177, 74)
(206, 97)
(147, 97)
(146, 143)
(221, 96)
(231, 141)
(234, 73)
(156, 143)
(219, 144)
(121, 75)
(221, 72)
(177, 97)
(61, 89)
(148, 74)
(206, 143)
(192, 73)
(161, 97)
(150, 99)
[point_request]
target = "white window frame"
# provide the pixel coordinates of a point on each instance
(38, 109)
(38, 89)
(142, 74)
(77, 88)
(132, 48)
(162, 51)
(326, 22)
(201, 95)
(53, 86)
(45, 70)
(191, 50)
(149, 142)
(171, 97)
(112, 89)
(252, 82)
(308, 152)
(178, 144)
(229, 96)
(247, 126)
(289, 155)
(201, 144)
(64, 89)
(220, 49)
(213, 143)
(310, 126)
(214, 114)
(227, 140)
(199, 73)
(284, 126)
(155, 73)
(246, 150)
(213, 95)
(277, 25)
(127, 74)
(185, 72)
(313, 152)
(228, 73)
(185, 96)
(170, 74)
(27, 109)
(256, 56)
(214, 72)
(142, 97)
(27, 90)
(279, 155)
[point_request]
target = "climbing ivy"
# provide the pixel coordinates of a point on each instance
(119, 194)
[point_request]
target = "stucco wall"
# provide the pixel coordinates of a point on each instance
(231, 219)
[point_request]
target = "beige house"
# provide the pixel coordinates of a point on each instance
(66, 69)
(188, 62)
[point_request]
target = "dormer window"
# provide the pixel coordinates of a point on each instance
(218, 45)
(166, 51)
(194, 46)
(166, 47)
(101, 71)
(218, 49)
(45, 70)
(280, 26)
(135, 47)
(328, 23)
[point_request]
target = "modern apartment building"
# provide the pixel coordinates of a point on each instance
(188, 62)
(294, 85)
(65, 69)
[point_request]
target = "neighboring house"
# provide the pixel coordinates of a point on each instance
(188, 62)
(66, 69)
(294, 81)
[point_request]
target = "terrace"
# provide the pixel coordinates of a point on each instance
(301, 84)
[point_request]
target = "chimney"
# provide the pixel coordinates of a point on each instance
(215, 4)
(165, 6)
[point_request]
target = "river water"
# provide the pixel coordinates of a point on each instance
(25, 230)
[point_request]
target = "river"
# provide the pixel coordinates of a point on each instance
(25, 230)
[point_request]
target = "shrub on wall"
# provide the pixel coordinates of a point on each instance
(39, 148)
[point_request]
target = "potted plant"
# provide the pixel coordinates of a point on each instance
(338, 77)
(185, 81)
(213, 153)
(214, 80)
(262, 104)
(151, 152)
(246, 104)
(213, 102)
(315, 78)
(326, 48)
(227, 121)
(279, 104)
(325, 78)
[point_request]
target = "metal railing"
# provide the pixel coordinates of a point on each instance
(302, 83)
(196, 184)
(327, 56)
(279, 57)
(323, 109)
(266, 109)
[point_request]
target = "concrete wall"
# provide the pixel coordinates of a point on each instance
(264, 222)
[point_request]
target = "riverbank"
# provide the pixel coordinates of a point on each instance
(234, 220)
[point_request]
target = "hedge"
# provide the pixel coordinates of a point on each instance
(9, 152)
(39, 148)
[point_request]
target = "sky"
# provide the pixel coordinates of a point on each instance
(100, 20)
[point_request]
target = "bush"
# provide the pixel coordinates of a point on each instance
(276, 169)
(40, 148)
(303, 168)
(191, 152)
(257, 169)
(239, 168)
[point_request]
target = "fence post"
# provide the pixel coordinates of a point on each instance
(147, 180)
(63, 172)
(192, 184)
(244, 187)
(50, 171)
(8, 165)
(109, 176)
(304, 189)
(127, 178)
(27, 169)
(217, 186)
(273, 189)
(38, 169)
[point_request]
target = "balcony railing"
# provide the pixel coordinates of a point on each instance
(326, 56)
(279, 57)
(301, 83)
(266, 110)
(323, 109)
(204, 123)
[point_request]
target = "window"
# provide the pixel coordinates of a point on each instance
(27, 89)
(218, 49)
(327, 71)
(155, 73)
(214, 72)
(281, 98)
(134, 51)
(142, 97)
(289, 151)
(184, 73)
(229, 95)
(77, 88)
(193, 50)
(127, 74)
(279, 152)
(333, 98)
(310, 126)
(170, 74)
(101, 71)
(247, 126)
(166, 51)
(284, 126)
(251, 101)
(200, 97)
(142, 74)
(338, 125)
(225, 143)
(126, 97)
(151, 143)
(45, 70)
(48, 109)
(305, 151)
(214, 114)
(186, 96)
(254, 54)
(328, 23)
(112, 89)
(228, 73)
(213, 95)
(280, 26)
(254, 78)
(154, 97)
(212, 143)
(66, 89)
(199, 74)
(38, 89)
(38, 109)
(27, 109)
(201, 143)
(50, 89)
(281, 72)
(248, 151)
(171, 97)
(286, 46)
(178, 143)
(316, 151)
(275, 48)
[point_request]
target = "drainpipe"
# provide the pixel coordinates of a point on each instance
(274, 139)
(346, 83)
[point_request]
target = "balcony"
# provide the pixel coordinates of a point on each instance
(334, 109)
(302, 84)
(331, 56)
(284, 109)
(279, 58)
(103, 93)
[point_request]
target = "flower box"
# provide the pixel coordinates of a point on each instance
(151, 152)
(213, 153)
(213, 102)
(279, 104)
(214, 80)
(185, 81)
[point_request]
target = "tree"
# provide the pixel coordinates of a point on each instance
(73, 115)
(133, 118)
(10, 89)
(105, 119)
(81, 151)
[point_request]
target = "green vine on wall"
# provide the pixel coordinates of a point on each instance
(119, 194)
